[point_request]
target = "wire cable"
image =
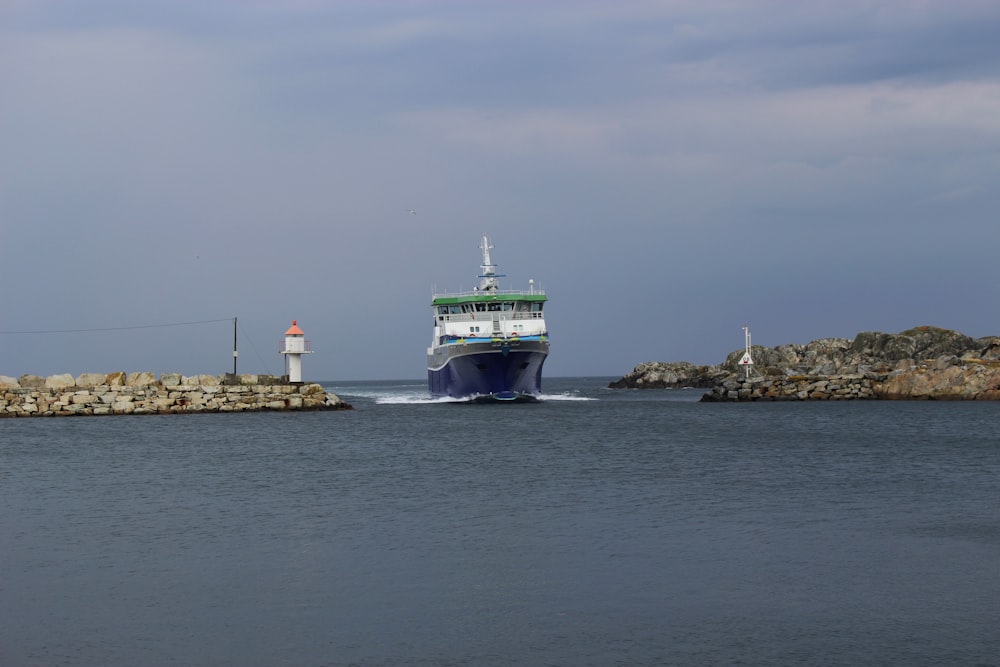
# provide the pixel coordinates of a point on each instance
(142, 326)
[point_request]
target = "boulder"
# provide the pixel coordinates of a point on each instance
(90, 380)
(31, 382)
(60, 381)
(989, 348)
(201, 380)
(170, 379)
(140, 379)
(8, 382)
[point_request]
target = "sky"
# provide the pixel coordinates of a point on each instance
(666, 171)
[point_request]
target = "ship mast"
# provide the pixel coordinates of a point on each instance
(488, 278)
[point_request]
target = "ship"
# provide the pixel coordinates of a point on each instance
(489, 344)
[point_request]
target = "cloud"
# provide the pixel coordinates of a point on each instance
(679, 151)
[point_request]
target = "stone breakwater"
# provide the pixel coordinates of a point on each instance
(923, 363)
(144, 394)
(940, 381)
(842, 388)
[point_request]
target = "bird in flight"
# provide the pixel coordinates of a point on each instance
(411, 211)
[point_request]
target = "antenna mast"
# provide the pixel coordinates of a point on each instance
(488, 278)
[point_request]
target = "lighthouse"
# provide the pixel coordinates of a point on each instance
(295, 346)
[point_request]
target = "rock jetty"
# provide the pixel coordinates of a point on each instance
(923, 363)
(142, 393)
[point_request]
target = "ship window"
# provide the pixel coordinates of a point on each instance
(455, 310)
(442, 310)
(536, 307)
(521, 306)
(480, 307)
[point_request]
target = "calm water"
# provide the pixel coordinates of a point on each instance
(597, 527)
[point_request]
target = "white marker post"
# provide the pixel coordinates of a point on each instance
(747, 360)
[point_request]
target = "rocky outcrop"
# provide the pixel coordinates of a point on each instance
(920, 363)
(662, 375)
(142, 393)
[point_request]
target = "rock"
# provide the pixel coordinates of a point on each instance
(8, 382)
(923, 342)
(170, 379)
(140, 379)
(990, 348)
(953, 382)
(116, 379)
(90, 380)
(31, 382)
(61, 381)
(660, 375)
(163, 404)
(201, 380)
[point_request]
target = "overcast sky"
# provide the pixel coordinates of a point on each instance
(666, 171)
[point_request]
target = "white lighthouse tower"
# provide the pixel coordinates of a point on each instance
(295, 346)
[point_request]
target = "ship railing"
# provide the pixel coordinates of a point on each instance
(485, 316)
(498, 293)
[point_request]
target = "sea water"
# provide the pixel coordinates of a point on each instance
(594, 527)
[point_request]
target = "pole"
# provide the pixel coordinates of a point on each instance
(746, 330)
(235, 353)
(747, 360)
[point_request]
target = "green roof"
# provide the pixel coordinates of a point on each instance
(481, 298)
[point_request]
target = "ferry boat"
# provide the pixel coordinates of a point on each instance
(489, 344)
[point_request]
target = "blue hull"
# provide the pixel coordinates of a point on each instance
(501, 375)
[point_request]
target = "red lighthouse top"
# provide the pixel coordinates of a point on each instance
(295, 330)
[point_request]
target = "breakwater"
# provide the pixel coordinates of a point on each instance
(144, 393)
(923, 363)
(946, 379)
(816, 388)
